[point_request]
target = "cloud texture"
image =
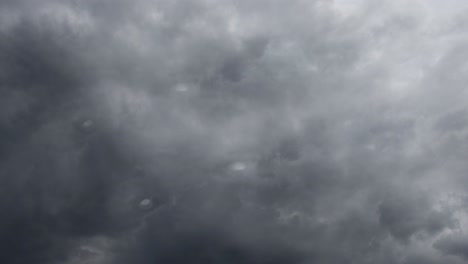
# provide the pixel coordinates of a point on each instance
(233, 131)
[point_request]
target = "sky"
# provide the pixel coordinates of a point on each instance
(233, 131)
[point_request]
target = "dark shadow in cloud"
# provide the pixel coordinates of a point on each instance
(232, 69)
(407, 214)
(165, 242)
(40, 77)
(456, 245)
(453, 121)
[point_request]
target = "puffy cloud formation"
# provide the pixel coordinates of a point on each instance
(233, 131)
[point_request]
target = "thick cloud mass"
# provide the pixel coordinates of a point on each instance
(233, 131)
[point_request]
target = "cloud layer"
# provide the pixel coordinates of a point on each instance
(233, 131)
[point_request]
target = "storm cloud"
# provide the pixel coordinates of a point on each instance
(233, 131)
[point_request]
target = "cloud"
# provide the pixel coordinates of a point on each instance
(406, 216)
(453, 245)
(231, 131)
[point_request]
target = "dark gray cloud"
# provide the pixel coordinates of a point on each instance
(232, 132)
(407, 215)
(453, 245)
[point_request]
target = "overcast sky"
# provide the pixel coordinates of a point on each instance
(233, 131)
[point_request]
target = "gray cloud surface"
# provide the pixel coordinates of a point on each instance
(232, 132)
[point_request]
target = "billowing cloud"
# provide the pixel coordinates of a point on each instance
(233, 131)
